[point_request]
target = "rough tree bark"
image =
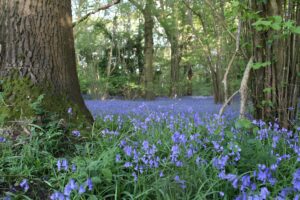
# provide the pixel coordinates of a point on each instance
(36, 39)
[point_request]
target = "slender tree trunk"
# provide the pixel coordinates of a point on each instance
(36, 39)
(108, 73)
(148, 51)
(175, 60)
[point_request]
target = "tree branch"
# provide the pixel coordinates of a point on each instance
(105, 7)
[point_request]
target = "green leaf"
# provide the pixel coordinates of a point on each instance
(277, 19)
(276, 26)
(96, 180)
(107, 174)
(296, 30)
(93, 197)
(260, 65)
(262, 23)
(267, 90)
(243, 123)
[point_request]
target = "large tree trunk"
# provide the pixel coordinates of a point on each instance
(148, 51)
(36, 39)
(279, 80)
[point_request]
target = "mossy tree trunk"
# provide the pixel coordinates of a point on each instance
(36, 40)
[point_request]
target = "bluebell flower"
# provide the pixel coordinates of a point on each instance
(181, 182)
(24, 185)
(68, 190)
(128, 150)
(246, 182)
(285, 192)
(296, 180)
(2, 139)
(76, 133)
(118, 158)
(221, 162)
(57, 196)
(161, 174)
(81, 189)
(176, 137)
(128, 164)
(264, 192)
(145, 145)
(70, 111)
(7, 198)
(58, 164)
(89, 184)
(64, 164)
(74, 168)
(73, 184)
(134, 176)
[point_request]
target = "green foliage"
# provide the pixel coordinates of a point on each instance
(260, 65)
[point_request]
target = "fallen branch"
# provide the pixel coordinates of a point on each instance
(105, 7)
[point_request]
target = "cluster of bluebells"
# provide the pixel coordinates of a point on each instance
(164, 136)
(63, 164)
(72, 186)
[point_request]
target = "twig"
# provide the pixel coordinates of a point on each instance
(95, 11)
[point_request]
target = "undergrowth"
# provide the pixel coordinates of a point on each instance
(154, 155)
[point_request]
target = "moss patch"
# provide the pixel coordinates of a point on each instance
(21, 99)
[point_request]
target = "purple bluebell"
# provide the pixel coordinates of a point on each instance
(74, 168)
(81, 189)
(246, 182)
(2, 140)
(24, 185)
(64, 164)
(296, 180)
(264, 193)
(128, 150)
(89, 184)
(57, 196)
(58, 164)
(76, 133)
(161, 174)
(70, 111)
(221, 162)
(118, 158)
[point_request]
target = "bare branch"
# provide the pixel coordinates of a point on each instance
(244, 88)
(105, 7)
(227, 102)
